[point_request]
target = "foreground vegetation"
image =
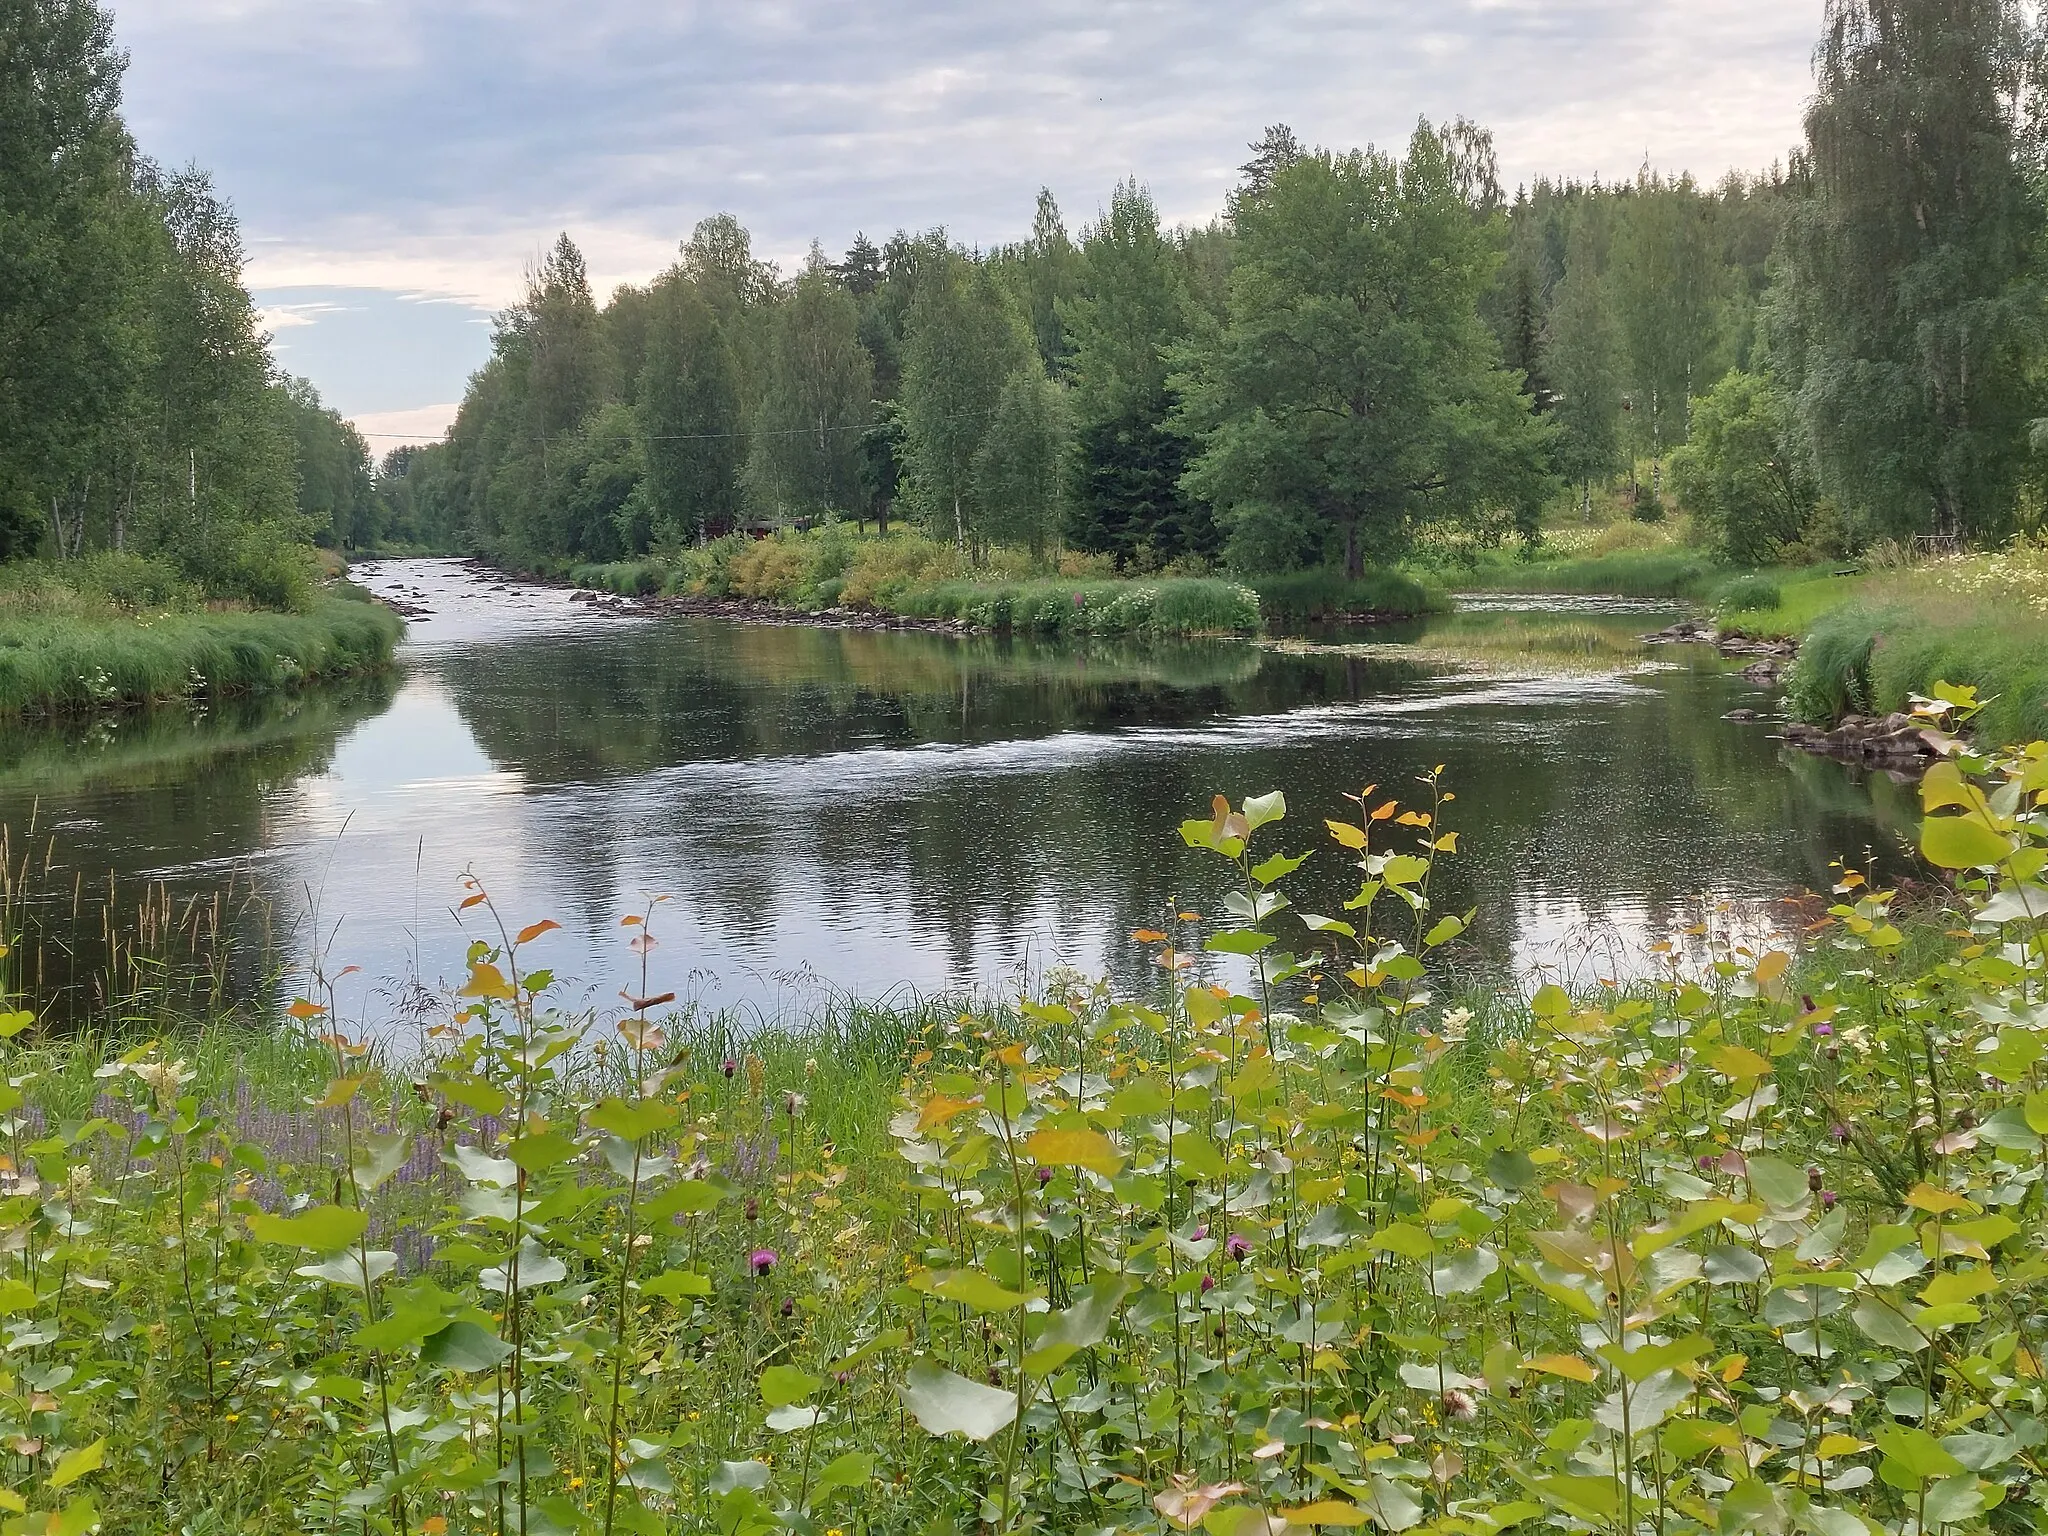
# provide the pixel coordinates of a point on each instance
(116, 630)
(1290, 1241)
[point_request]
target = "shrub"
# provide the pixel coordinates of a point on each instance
(1747, 594)
(1302, 596)
(1307, 1244)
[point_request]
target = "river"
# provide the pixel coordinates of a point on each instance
(830, 810)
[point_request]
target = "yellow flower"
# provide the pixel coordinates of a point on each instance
(575, 1482)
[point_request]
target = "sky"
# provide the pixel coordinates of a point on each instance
(396, 163)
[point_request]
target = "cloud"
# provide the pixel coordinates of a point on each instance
(390, 429)
(436, 148)
(387, 143)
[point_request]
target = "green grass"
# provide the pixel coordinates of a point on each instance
(1052, 606)
(1306, 596)
(54, 662)
(1676, 573)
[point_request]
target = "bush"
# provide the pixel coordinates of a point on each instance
(1747, 594)
(49, 664)
(1052, 607)
(263, 564)
(1304, 596)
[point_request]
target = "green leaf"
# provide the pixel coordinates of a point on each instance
(1261, 809)
(1277, 867)
(676, 1284)
(1550, 1002)
(1511, 1170)
(945, 1403)
(633, 1120)
(848, 1471)
(537, 1154)
(970, 1288)
(782, 1385)
(381, 1156)
(324, 1228)
(1916, 1451)
(1082, 1326)
(73, 1465)
(1963, 842)
(685, 1197)
(464, 1347)
(1237, 941)
(1446, 929)
(1780, 1185)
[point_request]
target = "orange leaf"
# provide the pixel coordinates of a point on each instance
(302, 1009)
(629, 922)
(486, 980)
(937, 1111)
(470, 901)
(1147, 935)
(534, 930)
(1385, 811)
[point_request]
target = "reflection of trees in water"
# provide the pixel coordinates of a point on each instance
(585, 706)
(91, 808)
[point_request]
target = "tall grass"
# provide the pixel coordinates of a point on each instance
(1671, 572)
(1051, 606)
(1308, 596)
(51, 662)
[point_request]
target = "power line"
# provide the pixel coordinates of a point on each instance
(675, 437)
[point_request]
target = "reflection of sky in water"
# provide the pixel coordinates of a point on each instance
(1598, 812)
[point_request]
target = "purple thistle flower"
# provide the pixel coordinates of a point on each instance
(729, 1067)
(1823, 1030)
(1208, 1284)
(1200, 1232)
(762, 1260)
(1237, 1246)
(1827, 1199)
(1838, 1132)
(1706, 1162)
(1044, 1177)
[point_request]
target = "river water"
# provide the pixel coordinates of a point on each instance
(862, 812)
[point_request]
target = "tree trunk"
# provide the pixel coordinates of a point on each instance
(882, 517)
(959, 527)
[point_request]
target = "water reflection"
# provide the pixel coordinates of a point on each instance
(874, 810)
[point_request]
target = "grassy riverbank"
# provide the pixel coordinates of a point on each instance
(112, 633)
(908, 574)
(1870, 644)
(1339, 1251)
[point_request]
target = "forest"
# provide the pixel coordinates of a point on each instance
(1363, 352)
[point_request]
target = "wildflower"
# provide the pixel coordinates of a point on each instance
(164, 1079)
(1237, 1246)
(1814, 1179)
(1827, 1199)
(792, 1103)
(1208, 1284)
(1823, 1029)
(762, 1260)
(729, 1067)
(1459, 1406)
(1838, 1132)
(810, 1066)
(1044, 1176)
(1201, 1232)
(788, 1306)
(575, 1482)
(753, 1208)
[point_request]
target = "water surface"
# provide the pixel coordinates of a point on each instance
(862, 811)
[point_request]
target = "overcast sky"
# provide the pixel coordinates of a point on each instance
(396, 162)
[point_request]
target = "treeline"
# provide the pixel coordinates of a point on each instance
(1361, 349)
(140, 409)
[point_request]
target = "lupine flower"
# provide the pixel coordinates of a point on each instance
(762, 1260)
(1237, 1246)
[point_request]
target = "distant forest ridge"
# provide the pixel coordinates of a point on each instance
(1364, 349)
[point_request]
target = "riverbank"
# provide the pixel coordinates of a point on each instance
(836, 572)
(921, 1264)
(104, 656)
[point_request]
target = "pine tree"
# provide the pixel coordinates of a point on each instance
(1581, 365)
